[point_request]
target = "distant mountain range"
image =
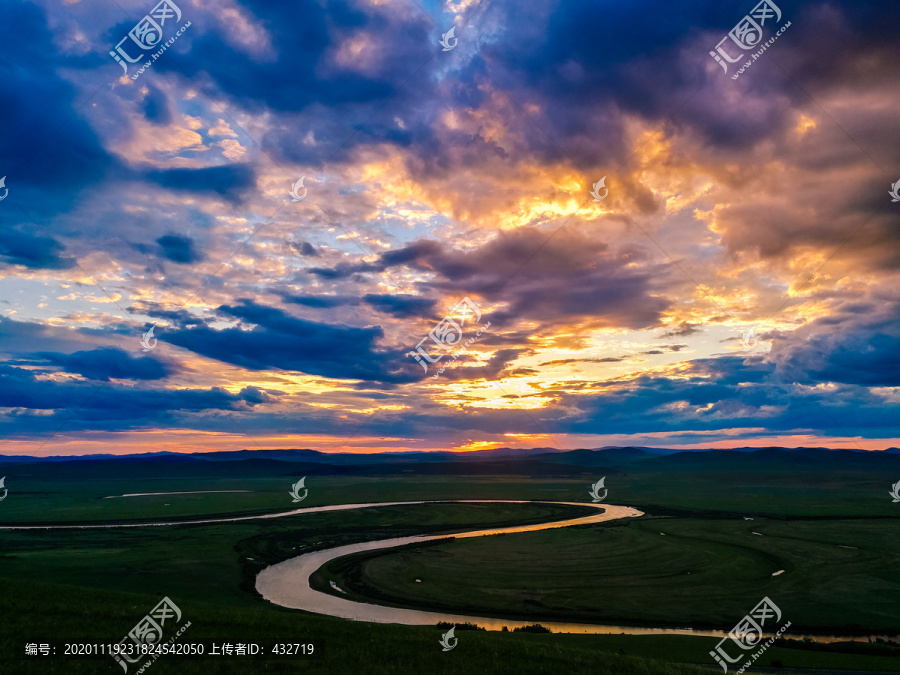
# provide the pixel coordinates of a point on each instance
(612, 456)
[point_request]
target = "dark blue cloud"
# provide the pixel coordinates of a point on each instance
(46, 145)
(231, 182)
(402, 306)
(302, 74)
(305, 248)
(255, 396)
(156, 106)
(722, 393)
(179, 317)
(415, 252)
(280, 341)
(867, 356)
(345, 270)
(32, 251)
(302, 50)
(104, 363)
(179, 249)
(321, 301)
(873, 363)
(88, 405)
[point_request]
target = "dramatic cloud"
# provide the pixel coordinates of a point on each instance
(277, 340)
(50, 151)
(737, 283)
(231, 182)
(108, 408)
(35, 252)
(101, 364)
(179, 249)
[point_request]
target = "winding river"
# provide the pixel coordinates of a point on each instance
(213, 521)
(287, 583)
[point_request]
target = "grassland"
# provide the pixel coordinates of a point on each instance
(200, 562)
(835, 537)
(93, 585)
(839, 576)
(341, 647)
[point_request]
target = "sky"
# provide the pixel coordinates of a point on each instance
(565, 225)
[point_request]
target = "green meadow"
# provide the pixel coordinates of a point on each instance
(838, 576)
(692, 560)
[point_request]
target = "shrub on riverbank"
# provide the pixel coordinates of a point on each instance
(443, 625)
